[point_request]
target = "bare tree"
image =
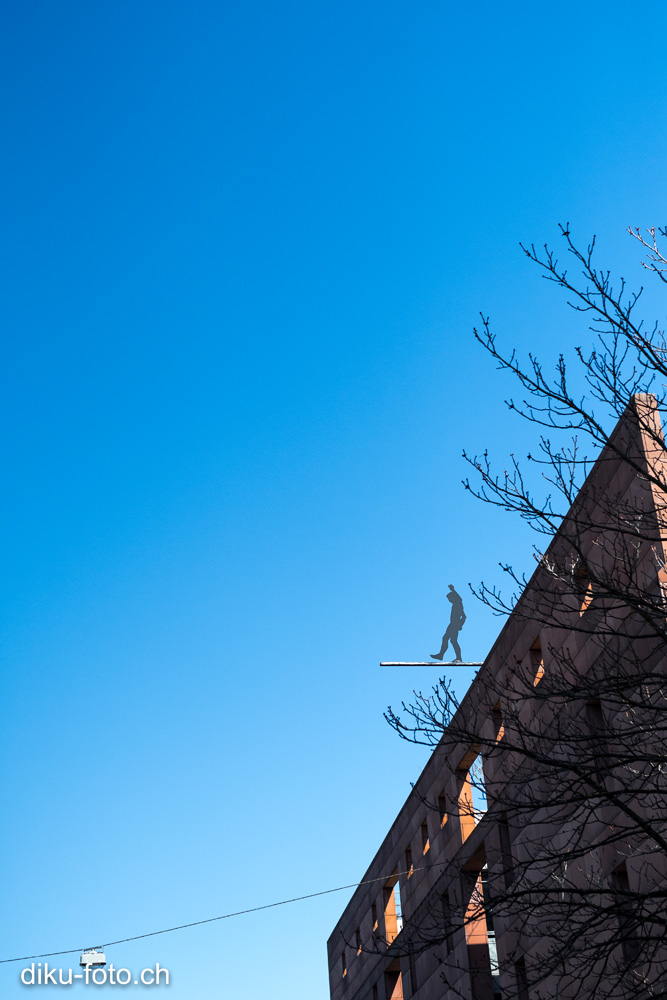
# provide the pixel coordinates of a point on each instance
(572, 735)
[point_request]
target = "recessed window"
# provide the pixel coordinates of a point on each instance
(393, 984)
(476, 930)
(412, 964)
(358, 940)
(559, 875)
(447, 921)
(521, 980)
(583, 588)
(393, 915)
(408, 861)
(498, 727)
(597, 747)
(490, 933)
(374, 916)
(472, 800)
(662, 578)
(343, 964)
(537, 661)
(426, 843)
(479, 929)
(506, 850)
(628, 925)
(442, 809)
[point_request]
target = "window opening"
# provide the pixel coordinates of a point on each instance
(475, 919)
(447, 922)
(498, 727)
(472, 802)
(393, 914)
(537, 661)
(521, 980)
(358, 940)
(506, 850)
(490, 932)
(408, 861)
(583, 588)
(343, 964)
(393, 984)
(627, 922)
(414, 986)
(559, 875)
(399, 908)
(426, 843)
(662, 574)
(442, 809)
(598, 748)
(479, 928)
(479, 800)
(374, 916)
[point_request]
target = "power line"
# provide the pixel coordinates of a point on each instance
(225, 916)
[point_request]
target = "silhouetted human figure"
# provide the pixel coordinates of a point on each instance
(456, 621)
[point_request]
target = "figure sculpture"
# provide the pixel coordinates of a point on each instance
(456, 621)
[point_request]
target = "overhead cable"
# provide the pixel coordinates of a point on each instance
(225, 916)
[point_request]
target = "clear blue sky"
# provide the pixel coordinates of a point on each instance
(244, 246)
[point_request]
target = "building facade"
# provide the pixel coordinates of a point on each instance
(529, 861)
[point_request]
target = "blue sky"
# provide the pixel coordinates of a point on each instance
(244, 249)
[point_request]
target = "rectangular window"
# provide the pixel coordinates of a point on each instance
(414, 986)
(559, 875)
(479, 927)
(374, 916)
(466, 810)
(393, 984)
(393, 916)
(399, 908)
(442, 809)
(475, 917)
(521, 980)
(426, 843)
(583, 588)
(490, 931)
(358, 940)
(627, 922)
(537, 661)
(447, 922)
(343, 964)
(498, 727)
(506, 850)
(472, 800)
(662, 576)
(408, 861)
(595, 717)
(598, 748)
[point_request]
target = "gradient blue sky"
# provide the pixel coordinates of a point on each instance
(244, 246)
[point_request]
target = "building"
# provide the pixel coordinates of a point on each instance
(529, 860)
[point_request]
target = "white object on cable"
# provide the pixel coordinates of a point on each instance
(92, 959)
